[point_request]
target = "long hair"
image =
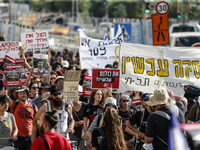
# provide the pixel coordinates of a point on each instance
(114, 135)
(91, 100)
(120, 100)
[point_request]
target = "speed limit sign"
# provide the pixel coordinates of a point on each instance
(162, 8)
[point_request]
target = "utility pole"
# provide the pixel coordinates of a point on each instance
(10, 15)
(188, 11)
(77, 10)
(72, 10)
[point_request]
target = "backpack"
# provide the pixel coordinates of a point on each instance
(17, 102)
(103, 144)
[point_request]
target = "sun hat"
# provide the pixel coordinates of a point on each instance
(188, 82)
(45, 95)
(159, 97)
(65, 64)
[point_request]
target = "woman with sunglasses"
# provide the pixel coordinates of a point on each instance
(8, 127)
(95, 107)
(53, 76)
(34, 90)
(125, 112)
(60, 82)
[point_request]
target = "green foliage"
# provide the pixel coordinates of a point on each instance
(120, 11)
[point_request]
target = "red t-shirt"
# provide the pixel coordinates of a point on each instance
(24, 115)
(54, 140)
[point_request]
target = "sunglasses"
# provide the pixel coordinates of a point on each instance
(60, 83)
(125, 100)
(38, 81)
(53, 78)
(35, 88)
(56, 94)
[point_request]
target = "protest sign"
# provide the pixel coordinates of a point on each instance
(103, 78)
(13, 76)
(87, 88)
(35, 41)
(40, 65)
(23, 75)
(6, 61)
(95, 53)
(71, 82)
(145, 68)
(9, 48)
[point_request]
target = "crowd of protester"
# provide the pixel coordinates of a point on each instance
(36, 116)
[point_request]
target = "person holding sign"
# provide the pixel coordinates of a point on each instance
(91, 110)
(7, 124)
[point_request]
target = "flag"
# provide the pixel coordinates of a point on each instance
(105, 37)
(176, 138)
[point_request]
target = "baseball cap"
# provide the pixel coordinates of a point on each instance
(55, 89)
(59, 77)
(145, 96)
(110, 101)
(46, 85)
(65, 64)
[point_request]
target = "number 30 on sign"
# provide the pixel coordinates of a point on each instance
(162, 8)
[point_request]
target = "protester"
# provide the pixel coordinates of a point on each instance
(77, 61)
(71, 67)
(78, 108)
(45, 87)
(125, 112)
(53, 76)
(59, 58)
(60, 82)
(140, 119)
(8, 127)
(95, 107)
(136, 100)
(115, 65)
(70, 57)
(50, 139)
(158, 122)
(64, 112)
(98, 120)
(65, 54)
(24, 113)
(61, 72)
(112, 129)
(33, 87)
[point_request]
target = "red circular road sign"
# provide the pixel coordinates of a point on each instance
(162, 8)
(196, 45)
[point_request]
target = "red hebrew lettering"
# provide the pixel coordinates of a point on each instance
(43, 34)
(12, 49)
(29, 35)
(37, 34)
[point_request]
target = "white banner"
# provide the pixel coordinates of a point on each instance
(95, 53)
(9, 48)
(145, 68)
(35, 41)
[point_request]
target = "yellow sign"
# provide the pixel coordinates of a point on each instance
(7, 124)
(29, 109)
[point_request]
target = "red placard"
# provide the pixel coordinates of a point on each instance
(103, 78)
(12, 83)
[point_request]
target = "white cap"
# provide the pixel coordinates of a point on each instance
(189, 82)
(65, 64)
(110, 101)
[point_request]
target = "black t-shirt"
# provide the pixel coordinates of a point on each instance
(158, 125)
(182, 108)
(96, 138)
(78, 130)
(136, 120)
(91, 111)
(126, 115)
